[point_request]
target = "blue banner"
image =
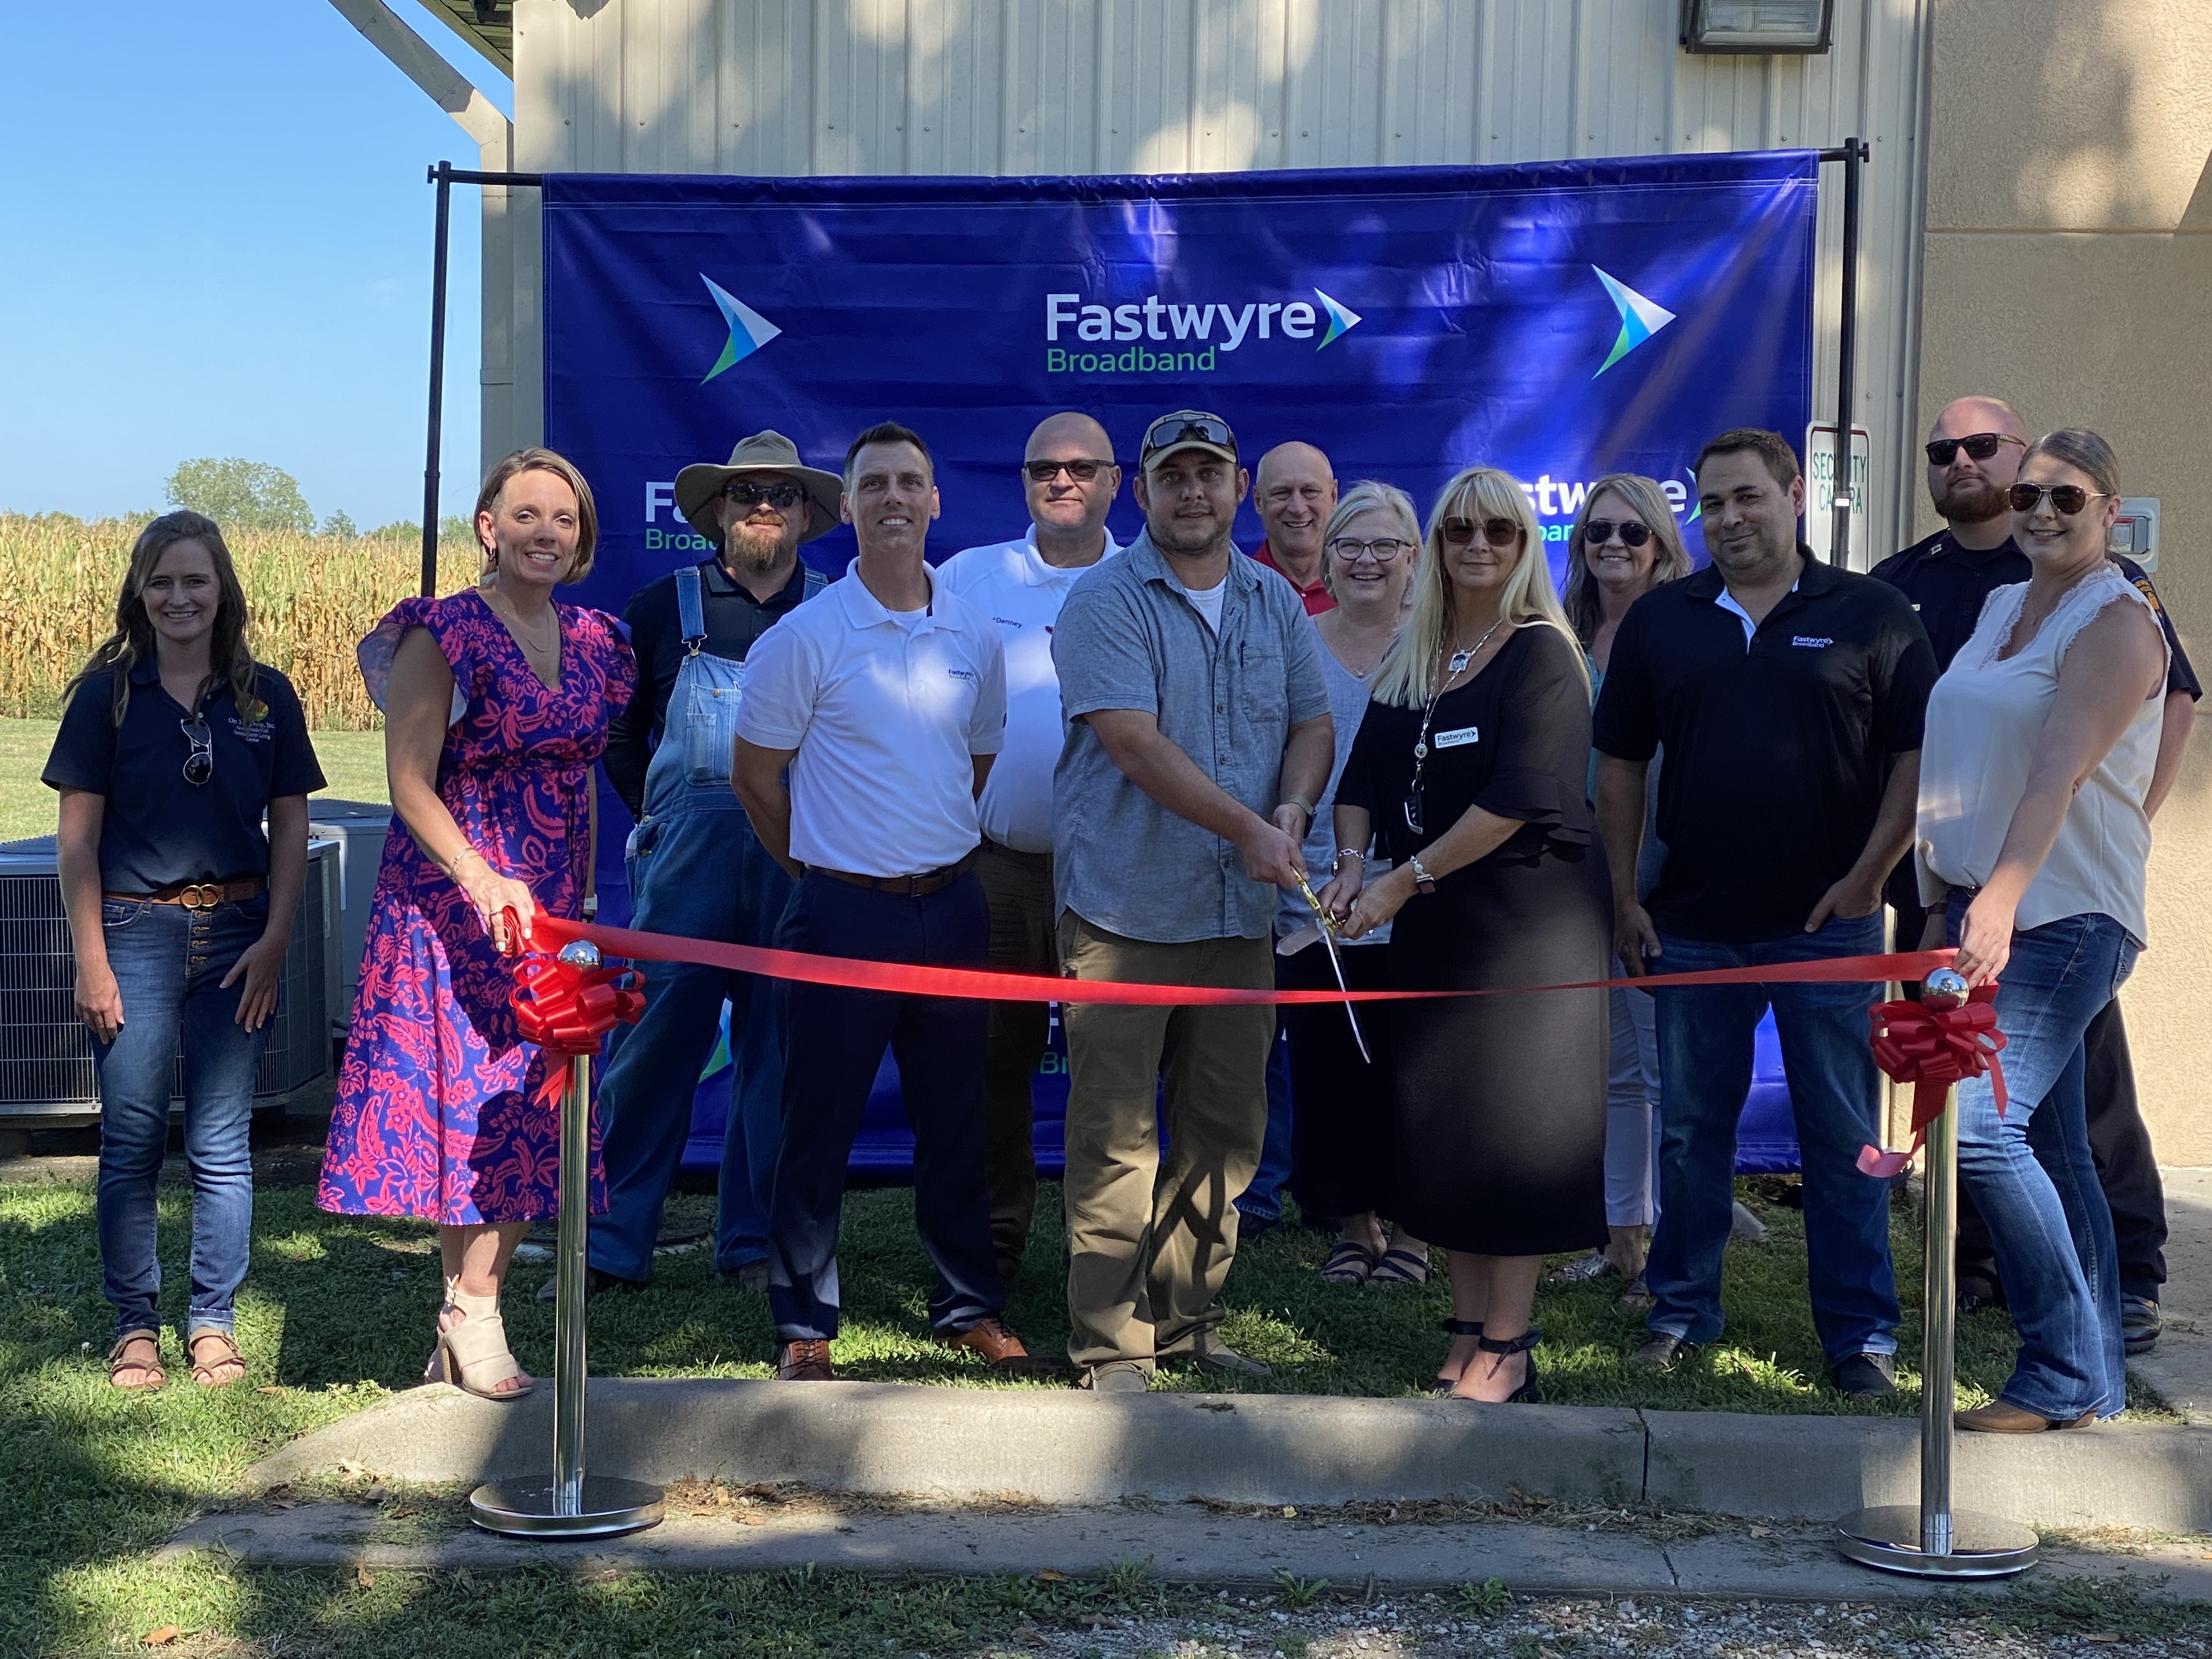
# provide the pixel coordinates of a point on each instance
(1561, 320)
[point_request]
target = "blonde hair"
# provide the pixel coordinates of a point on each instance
(1671, 561)
(1411, 670)
(543, 460)
(1369, 496)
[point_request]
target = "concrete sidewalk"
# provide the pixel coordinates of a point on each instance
(1063, 1447)
(1183, 1544)
(2180, 1370)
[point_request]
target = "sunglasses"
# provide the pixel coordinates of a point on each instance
(2068, 499)
(781, 496)
(1081, 471)
(1171, 429)
(1382, 552)
(1598, 532)
(1981, 445)
(1498, 532)
(199, 765)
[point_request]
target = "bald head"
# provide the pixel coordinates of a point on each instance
(1069, 511)
(1969, 489)
(1294, 492)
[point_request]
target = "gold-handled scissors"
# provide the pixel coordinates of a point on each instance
(1328, 926)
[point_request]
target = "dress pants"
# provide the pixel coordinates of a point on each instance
(1150, 1237)
(834, 1042)
(1018, 887)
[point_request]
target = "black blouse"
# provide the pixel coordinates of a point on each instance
(1514, 740)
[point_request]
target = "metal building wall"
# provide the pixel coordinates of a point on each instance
(1013, 86)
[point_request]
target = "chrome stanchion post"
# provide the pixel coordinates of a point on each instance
(1929, 1539)
(571, 1504)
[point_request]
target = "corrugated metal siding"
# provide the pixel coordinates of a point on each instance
(1015, 87)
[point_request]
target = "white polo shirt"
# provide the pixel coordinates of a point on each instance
(887, 713)
(1012, 584)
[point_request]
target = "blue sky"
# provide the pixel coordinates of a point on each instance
(215, 240)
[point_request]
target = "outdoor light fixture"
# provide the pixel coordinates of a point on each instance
(1757, 26)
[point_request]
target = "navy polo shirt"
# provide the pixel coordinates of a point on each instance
(157, 831)
(1777, 746)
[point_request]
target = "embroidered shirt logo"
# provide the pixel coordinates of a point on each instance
(1816, 642)
(967, 674)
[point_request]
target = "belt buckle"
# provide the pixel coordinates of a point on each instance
(203, 895)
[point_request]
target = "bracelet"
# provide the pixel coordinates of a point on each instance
(453, 864)
(1423, 881)
(1342, 854)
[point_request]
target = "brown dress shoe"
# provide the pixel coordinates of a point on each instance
(989, 1337)
(1997, 1418)
(806, 1360)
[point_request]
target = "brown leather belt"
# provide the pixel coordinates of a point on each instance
(929, 881)
(199, 894)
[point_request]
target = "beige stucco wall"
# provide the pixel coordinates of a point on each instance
(2069, 270)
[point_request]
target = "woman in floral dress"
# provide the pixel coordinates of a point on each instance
(496, 703)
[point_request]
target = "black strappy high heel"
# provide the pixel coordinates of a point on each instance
(1527, 1394)
(1442, 1387)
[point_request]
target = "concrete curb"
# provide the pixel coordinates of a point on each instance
(1063, 1447)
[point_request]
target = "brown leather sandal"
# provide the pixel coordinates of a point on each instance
(227, 1367)
(149, 1374)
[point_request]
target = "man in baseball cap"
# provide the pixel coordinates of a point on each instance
(696, 869)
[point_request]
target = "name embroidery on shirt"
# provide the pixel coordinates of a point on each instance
(968, 674)
(1008, 622)
(1816, 642)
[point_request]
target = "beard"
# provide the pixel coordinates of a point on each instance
(1970, 500)
(753, 547)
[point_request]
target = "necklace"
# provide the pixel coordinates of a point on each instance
(1456, 666)
(522, 635)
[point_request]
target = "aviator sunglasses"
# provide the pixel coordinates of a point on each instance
(1498, 532)
(1981, 445)
(199, 765)
(1081, 471)
(781, 496)
(2068, 499)
(1633, 532)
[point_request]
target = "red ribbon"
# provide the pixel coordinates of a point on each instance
(1933, 1048)
(566, 1010)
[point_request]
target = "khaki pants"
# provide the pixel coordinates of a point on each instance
(1150, 1239)
(1018, 886)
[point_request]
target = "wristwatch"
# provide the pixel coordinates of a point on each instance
(1423, 881)
(1302, 804)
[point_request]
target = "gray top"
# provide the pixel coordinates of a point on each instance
(1129, 637)
(1347, 707)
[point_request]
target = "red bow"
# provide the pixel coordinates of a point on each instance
(566, 1010)
(1932, 1049)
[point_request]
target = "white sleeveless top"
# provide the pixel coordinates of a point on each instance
(1984, 719)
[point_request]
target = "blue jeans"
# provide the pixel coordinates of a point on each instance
(169, 964)
(835, 1042)
(1262, 1202)
(700, 872)
(2031, 1174)
(1705, 1074)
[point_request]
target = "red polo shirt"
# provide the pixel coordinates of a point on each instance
(1316, 596)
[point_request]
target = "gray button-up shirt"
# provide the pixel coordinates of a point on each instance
(1128, 638)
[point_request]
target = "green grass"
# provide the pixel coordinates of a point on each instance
(352, 760)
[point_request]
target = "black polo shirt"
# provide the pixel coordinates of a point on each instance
(1776, 751)
(734, 620)
(1947, 585)
(157, 831)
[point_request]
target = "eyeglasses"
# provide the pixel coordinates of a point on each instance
(2068, 499)
(1598, 532)
(781, 497)
(1498, 532)
(1184, 427)
(199, 765)
(1382, 552)
(1081, 471)
(1981, 447)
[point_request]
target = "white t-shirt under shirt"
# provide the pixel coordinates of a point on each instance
(1011, 583)
(887, 713)
(1206, 602)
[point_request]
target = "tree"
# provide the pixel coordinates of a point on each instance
(339, 524)
(241, 495)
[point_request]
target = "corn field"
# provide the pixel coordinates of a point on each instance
(312, 597)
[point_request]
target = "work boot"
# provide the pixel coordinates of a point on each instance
(2140, 1325)
(805, 1361)
(1661, 1352)
(1865, 1377)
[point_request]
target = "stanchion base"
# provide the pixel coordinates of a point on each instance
(1982, 1546)
(525, 1509)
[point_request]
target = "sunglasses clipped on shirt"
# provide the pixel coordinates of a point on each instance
(1633, 532)
(1081, 471)
(199, 764)
(1981, 445)
(1498, 532)
(783, 497)
(2068, 499)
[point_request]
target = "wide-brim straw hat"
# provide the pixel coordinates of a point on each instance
(697, 485)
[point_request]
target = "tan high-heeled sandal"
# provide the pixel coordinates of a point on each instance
(472, 1354)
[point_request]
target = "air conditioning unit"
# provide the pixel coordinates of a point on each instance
(359, 827)
(46, 1074)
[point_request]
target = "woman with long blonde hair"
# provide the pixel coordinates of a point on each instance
(1472, 764)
